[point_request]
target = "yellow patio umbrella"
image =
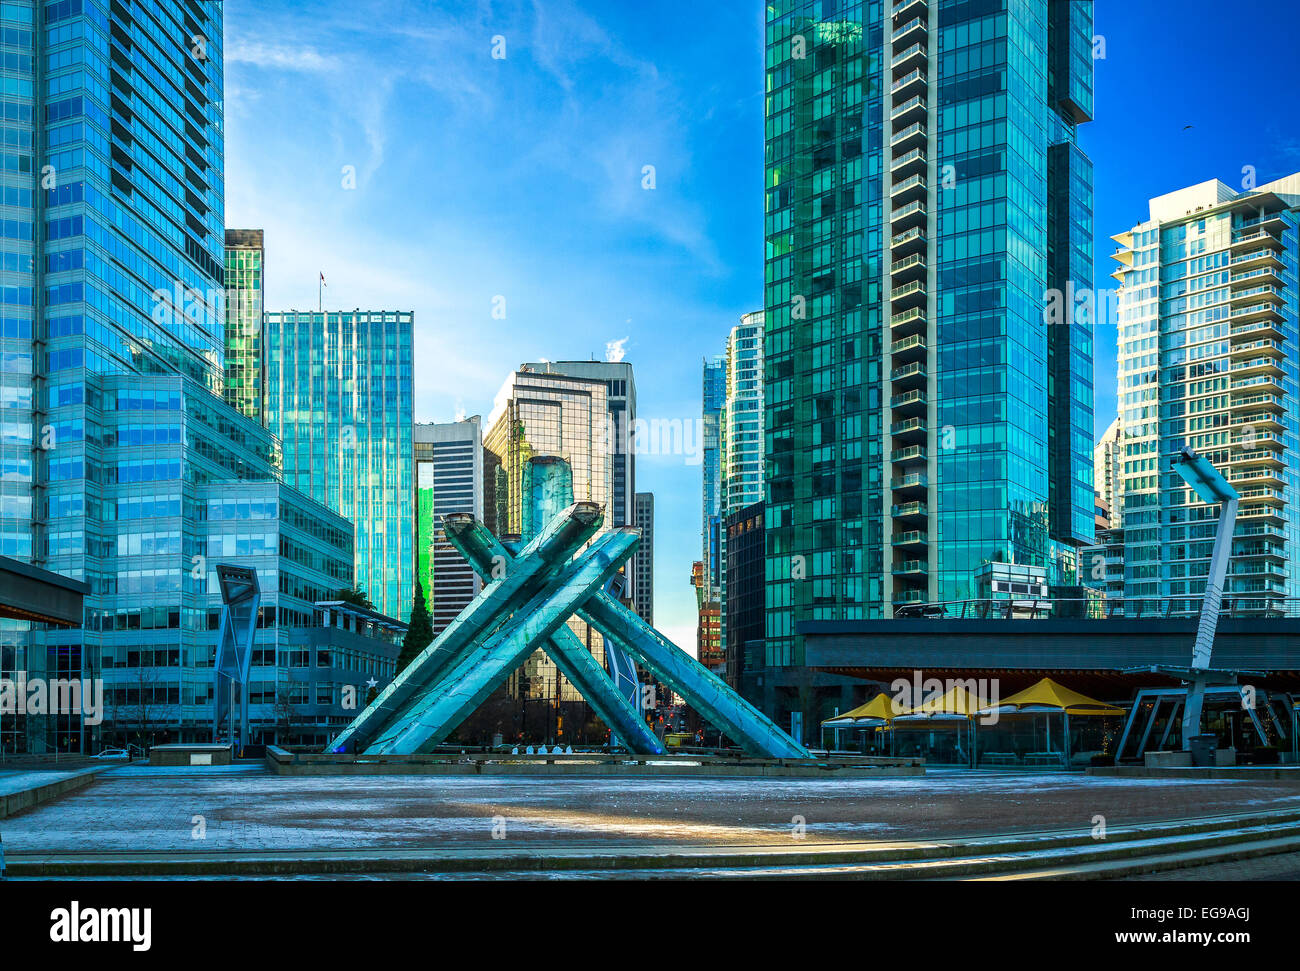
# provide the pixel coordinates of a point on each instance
(1056, 697)
(1048, 694)
(880, 708)
(955, 703)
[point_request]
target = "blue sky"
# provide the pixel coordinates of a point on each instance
(521, 178)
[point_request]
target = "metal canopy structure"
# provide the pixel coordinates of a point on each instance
(531, 591)
(241, 596)
(1211, 487)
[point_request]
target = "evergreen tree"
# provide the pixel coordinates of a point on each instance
(419, 634)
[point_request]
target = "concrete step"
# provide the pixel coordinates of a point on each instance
(1158, 863)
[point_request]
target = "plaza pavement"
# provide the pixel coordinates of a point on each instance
(245, 808)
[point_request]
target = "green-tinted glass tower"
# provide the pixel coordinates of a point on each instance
(924, 199)
(245, 289)
(339, 397)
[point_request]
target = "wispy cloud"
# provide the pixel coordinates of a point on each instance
(282, 57)
(521, 178)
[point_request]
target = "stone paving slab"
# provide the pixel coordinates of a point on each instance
(244, 808)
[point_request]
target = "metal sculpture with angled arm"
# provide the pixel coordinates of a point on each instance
(547, 555)
(486, 554)
(531, 593)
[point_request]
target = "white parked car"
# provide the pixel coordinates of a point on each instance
(111, 753)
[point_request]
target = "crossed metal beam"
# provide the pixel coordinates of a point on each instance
(525, 606)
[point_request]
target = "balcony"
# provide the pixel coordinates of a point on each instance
(910, 110)
(908, 321)
(908, 190)
(1267, 383)
(1261, 476)
(1259, 530)
(1255, 312)
(1273, 551)
(908, 374)
(1257, 440)
(909, 268)
(909, 84)
(912, 214)
(1257, 258)
(909, 510)
(909, 163)
(911, 567)
(1265, 274)
(911, 537)
(910, 453)
(1256, 365)
(1263, 291)
(908, 402)
(913, 136)
(903, 598)
(910, 56)
(911, 31)
(1263, 346)
(1256, 401)
(1248, 239)
(1255, 456)
(909, 429)
(1262, 514)
(907, 6)
(1270, 220)
(912, 482)
(912, 348)
(911, 240)
(908, 293)
(1267, 327)
(1266, 420)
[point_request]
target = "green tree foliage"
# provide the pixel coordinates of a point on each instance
(357, 598)
(419, 634)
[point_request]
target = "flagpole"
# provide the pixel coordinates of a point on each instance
(320, 294)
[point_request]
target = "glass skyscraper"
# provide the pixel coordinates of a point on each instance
(1209, 330)
(714, 398)
(448, 479)
(339, 398)
(539, 415)
(924, 198)
(708, 583)
(740, 440)
(741, 433)
(113, 345)
(245, 289)
(620, 399)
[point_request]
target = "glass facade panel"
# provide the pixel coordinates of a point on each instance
(339, 396)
